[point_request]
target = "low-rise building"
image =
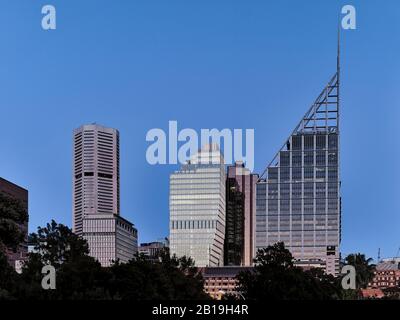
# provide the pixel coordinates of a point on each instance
(151, 250)
(371, 294)
(16, 256)
(220, 281)
(386, 274)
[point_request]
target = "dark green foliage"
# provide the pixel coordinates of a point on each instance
(364, 269)
(57, 244)
(169, 279)
(276, 278)
(12, 214)
(79, 276)
(7, 278)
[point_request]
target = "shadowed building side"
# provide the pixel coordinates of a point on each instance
(16, 257)
(240, 215)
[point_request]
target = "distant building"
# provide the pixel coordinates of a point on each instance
(240, 215)
(386, 275)
(392, 260)
(220, 281)
(371, 294)
(16, 257)
(197, 208)
(96, 195)
(152, 250)
(307, 265)
(110, 238)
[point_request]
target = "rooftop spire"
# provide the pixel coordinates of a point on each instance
(323, 115)
(338, 50)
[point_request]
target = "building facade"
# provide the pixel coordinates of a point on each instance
(18, 255)
(240, 215)
(152, 250)
(96, 195)
(386, 275)
(110, 238)
(197, 208)
(220, 281)
(298, 195)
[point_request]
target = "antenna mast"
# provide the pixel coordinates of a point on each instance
(338, 75)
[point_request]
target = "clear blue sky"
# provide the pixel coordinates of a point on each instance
(135, 65)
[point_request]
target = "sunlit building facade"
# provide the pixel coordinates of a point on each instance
(96, 195)
(197, 208)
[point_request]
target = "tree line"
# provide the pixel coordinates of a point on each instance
(80, 277)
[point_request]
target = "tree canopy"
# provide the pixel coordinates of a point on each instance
(12, 214)
(275, 277)
(80, 276)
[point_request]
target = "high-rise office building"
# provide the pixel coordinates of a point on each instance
(96, 195)
(16, 256)
(197, 208)
(298, 195)
(240, 215)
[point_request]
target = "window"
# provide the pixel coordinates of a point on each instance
(320, 192)
(308, 173)
(296, 141)
(285, 174)
(332, 158)
(296, 174)
(321, 158)
(333, 141)
(296, 190)
(321, 141)
(320, 172)
(308, 158)
(309, 142)
(285, 189)
(332, 174)
(296, 159)
(284, 158)
(272, 173)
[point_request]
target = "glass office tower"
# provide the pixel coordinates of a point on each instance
(298, 195)
(197, 208)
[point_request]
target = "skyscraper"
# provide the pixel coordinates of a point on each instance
(197, 208)
(298, 195)
(96, 197)
(240, 215)
(13, 191)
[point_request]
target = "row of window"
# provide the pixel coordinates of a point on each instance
(91, 174)
(307, 142)
(194, 224)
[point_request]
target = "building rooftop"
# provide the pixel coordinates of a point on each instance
(5, 181)
(227, 271)
(387, 266)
